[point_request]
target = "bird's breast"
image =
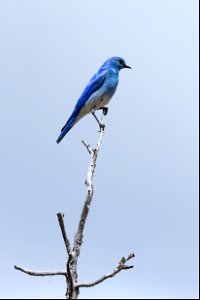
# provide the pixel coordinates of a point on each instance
(102, 96)
(111, 81)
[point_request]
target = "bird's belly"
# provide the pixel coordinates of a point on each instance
(94, 103)
(101, 97)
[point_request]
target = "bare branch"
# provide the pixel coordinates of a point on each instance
(89, 149)
(78, 240)
(40, 273)
(120, 267)
(70, 280)
(62, 227)
(71, 274)
(125, 259)
(94, 153)
(69, 277)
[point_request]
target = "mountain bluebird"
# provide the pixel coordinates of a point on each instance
(97, 93)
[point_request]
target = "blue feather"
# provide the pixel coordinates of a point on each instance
(95, 83)
(97, 93)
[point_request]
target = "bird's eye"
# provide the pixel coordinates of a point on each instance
(121, 62)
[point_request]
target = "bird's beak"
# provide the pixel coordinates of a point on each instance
(127, 67)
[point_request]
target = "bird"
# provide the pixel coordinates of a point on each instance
(97, 93)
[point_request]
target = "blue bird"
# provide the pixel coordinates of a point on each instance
(97, 93)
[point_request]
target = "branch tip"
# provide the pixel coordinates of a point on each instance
(40, 273)
(121, 266)
(60, 217)
(88, 147)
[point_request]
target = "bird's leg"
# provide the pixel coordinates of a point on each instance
(105, 110)
(101, 125)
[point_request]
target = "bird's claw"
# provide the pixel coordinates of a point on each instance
(105, 110)
(101, 127)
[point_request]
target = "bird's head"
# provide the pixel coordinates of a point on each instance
(116, 62)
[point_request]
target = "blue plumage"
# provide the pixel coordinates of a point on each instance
(97, 93)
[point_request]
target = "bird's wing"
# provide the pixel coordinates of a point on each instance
(95, 83)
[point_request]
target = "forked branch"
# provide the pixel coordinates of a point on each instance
(120, 267)
(71, 273)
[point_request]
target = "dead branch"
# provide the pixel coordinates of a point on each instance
(71, 273)
(120, 267)
(40, 273)
(64, 235)
(78, 240)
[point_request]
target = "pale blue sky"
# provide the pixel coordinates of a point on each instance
(146, 181)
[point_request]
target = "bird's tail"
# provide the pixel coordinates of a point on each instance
(70, 123)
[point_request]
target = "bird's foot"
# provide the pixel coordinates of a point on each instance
(101, 127)
(105, 110)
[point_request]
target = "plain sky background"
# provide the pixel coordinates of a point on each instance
(146, 181)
